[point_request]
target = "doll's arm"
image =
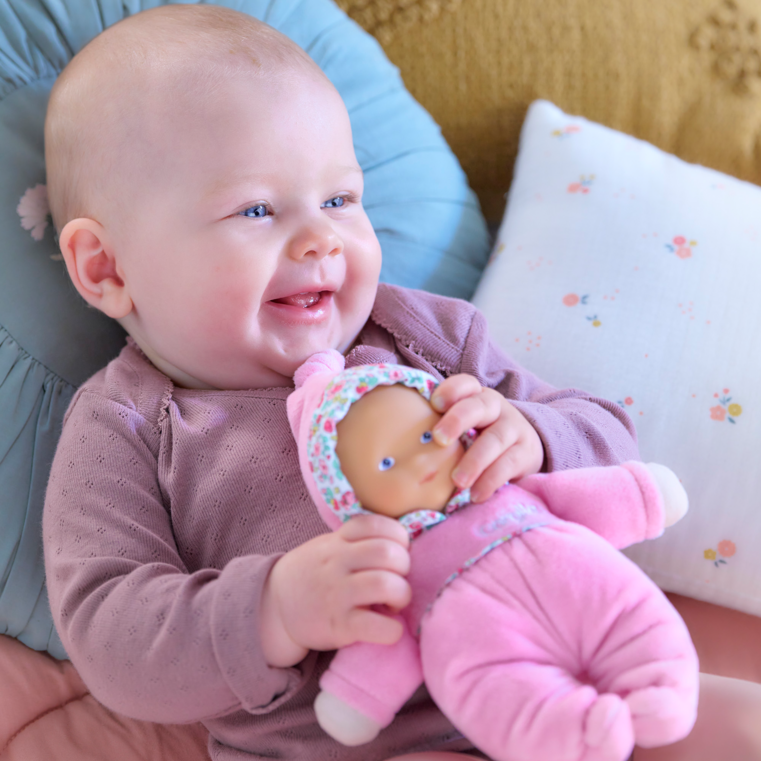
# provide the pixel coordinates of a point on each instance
(365, 686)
(624, 504)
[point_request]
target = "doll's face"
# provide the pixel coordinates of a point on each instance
(388, 454)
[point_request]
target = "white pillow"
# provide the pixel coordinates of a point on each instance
(624, 271)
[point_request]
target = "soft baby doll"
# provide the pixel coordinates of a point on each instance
(533, 634)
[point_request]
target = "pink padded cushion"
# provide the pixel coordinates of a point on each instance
(46, 712)
(728, 641)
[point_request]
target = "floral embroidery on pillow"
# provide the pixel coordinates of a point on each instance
(726, 409)
(34, 210)
(681, 247)
(726, 549)
(566, 131)
(582, 186)
(572, 299)
(531, 341)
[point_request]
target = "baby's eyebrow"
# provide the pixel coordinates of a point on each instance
(228, 184)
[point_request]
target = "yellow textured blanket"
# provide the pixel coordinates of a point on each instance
(682, 74)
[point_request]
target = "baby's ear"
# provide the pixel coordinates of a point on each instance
(93, 268)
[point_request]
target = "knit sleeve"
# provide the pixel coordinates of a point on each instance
(150, 639)
(577, 429)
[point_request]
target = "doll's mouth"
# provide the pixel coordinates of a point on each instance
(429, 477)
(302, 300)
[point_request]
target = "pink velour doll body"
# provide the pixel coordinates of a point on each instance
(533, 634)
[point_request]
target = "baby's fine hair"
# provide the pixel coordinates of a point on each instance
(164, 53)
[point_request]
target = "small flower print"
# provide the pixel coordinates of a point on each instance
(718, 413)
(566, 131)
(628, 403)
(726, 409)
(726, 549)
(34, 210)
(582, 186)
(328, 426)
(571, 299)
(681, 247)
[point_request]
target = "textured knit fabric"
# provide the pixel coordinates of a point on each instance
(531, 627)
(682, 74)
(167, 507)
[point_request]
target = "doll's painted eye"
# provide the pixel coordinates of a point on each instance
(386, 463)
(426, 438)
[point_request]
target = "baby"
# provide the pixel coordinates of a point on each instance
(204, 186)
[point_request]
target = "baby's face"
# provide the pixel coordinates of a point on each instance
(247, 248)
(388, 454)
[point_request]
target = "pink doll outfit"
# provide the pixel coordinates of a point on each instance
(534, 635)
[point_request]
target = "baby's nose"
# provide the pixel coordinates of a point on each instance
(317, 239)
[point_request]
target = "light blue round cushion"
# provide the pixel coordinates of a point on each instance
(427, 219)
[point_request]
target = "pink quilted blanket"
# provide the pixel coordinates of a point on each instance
(46, 712)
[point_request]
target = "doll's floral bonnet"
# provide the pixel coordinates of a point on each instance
(324, 393)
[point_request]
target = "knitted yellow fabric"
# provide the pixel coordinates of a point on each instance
(682, 74)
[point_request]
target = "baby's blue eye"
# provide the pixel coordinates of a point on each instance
(260, 210)
(386, 463)
(426, 438)
(334, 203)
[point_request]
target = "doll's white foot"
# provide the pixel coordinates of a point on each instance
(608, 732)
(660, 716)
(342, 722)
(675, 502)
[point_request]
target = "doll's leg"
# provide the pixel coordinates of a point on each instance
(532, 647)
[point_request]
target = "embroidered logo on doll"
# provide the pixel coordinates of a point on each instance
(505, 517)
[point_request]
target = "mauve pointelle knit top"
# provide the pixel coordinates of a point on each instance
(167, 507)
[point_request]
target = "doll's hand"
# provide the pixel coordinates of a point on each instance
(508, 446)
(675, 501)
(342, 722)
(319, 595)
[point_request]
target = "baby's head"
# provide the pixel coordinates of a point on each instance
(203, 182)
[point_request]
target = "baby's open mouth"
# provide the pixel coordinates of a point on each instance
(303, 300)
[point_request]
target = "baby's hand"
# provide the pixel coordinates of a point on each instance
(508, 446)
(319, 596)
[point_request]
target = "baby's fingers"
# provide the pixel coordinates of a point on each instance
(490, 448)
(368, 626)
(379, 588)
(454, 388)
(478, 411)
(502, 470)
(378, 554)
